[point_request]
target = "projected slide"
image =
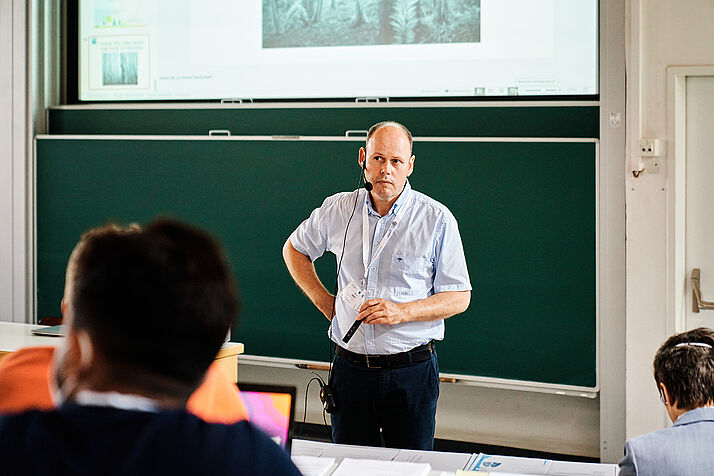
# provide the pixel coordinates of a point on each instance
(335, 49)
(119, 62)
(354, 22)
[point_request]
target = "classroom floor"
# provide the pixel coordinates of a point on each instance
(315, 432)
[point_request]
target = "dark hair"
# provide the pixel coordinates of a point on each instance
(379, 125)
(157, 303)
(687, 370)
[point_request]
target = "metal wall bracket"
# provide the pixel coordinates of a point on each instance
(698, 303)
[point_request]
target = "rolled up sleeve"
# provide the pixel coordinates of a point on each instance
(310, 238)
(450, 273)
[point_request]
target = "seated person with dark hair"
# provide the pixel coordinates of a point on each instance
(146, 312)
(684, 373)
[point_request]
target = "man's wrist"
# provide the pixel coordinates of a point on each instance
(326, 305)
(405, 310)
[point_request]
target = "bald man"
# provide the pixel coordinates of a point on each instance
(401, 272)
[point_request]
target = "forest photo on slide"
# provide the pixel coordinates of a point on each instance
(310, 23)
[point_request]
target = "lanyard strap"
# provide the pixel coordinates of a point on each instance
(383, 242)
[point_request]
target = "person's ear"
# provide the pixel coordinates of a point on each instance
(361, 156)
(63, 307)
(71, 364)
(664, 395)
(86, 352)
(673, 411)
(411, 165)
(77, 355)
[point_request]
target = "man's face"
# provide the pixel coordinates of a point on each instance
(389, 162)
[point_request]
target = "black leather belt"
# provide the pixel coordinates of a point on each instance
(388, 361)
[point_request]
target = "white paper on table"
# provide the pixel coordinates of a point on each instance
(509, 464)
(570, 468)
(307, 448)
(312, 465)
(360, 467)
(331, 450)
(438, 460)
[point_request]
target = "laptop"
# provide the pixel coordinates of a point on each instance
(271, 408)
(52, 331)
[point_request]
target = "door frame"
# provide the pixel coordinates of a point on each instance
(678, 287)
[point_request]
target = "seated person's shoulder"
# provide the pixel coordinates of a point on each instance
(248, 450)
(23, 380)
(688, 444)
(177, 442)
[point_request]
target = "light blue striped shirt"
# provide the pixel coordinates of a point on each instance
(424, 256)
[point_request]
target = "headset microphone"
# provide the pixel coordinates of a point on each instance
(367, 185)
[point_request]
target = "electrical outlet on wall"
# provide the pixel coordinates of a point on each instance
(652, 147)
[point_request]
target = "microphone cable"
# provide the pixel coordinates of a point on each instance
(324, 387)
(362, 178)
(320, 382)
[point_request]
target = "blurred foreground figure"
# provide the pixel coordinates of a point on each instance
(146, 312)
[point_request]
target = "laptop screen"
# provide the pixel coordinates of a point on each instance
(271, 408)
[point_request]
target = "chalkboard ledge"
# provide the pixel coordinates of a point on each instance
(457, 379)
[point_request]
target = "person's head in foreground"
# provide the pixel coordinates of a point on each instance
(146, 312)
(684, 371)
(684, 374)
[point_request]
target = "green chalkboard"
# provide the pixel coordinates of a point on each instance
(526, 211)
(453, 121)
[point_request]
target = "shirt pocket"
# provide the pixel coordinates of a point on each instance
(411, 274)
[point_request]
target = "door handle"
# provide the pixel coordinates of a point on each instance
(697, 301)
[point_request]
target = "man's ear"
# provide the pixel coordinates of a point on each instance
(361, 156)
(665, 394)
(411, 165)
(78, 353)
(66, 367)
(86, 351)
(63, 307)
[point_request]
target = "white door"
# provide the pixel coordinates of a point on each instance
(700, 195)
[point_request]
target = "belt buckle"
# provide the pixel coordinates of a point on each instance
(370, 366)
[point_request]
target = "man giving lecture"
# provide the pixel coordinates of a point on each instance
(401, 272)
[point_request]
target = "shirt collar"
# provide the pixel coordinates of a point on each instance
(402, 201)
(697, 414)
(122, 401)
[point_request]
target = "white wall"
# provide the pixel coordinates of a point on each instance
(13, 153)
(29, 82)
(663, 33)
(611, 231)
(6, 111)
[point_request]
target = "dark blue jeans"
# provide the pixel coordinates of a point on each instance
(391, 407)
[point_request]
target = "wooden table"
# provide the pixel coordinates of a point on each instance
(14, 336)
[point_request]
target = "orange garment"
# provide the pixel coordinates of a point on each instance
(24, 384)
(24, 380)
(217, 400)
